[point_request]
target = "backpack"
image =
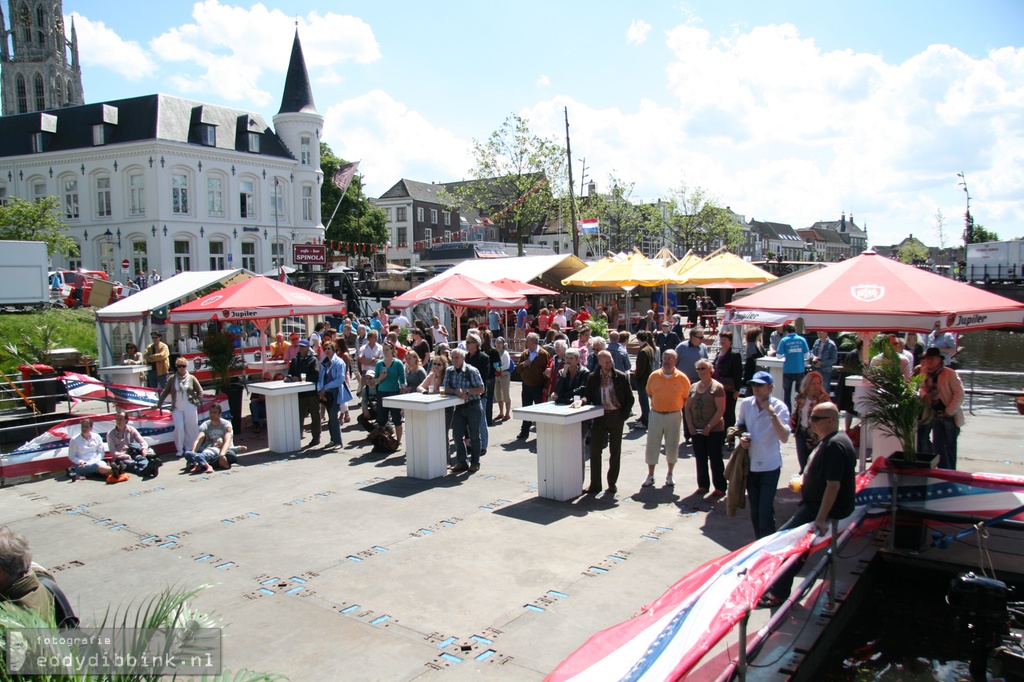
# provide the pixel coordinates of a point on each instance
(63, 614)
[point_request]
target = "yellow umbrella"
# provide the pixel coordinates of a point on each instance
(627, 273)
(687, 262)
(727, 271)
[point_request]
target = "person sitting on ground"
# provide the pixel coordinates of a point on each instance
(118, 439)
(18, 582)
(214, 433)
(86, 452)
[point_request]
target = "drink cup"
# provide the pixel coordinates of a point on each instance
(441, 389)
(302, 376)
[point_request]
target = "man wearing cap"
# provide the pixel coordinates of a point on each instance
(828, 489)
(157, 356)
(309, 401)
(279, 347)
(666, 339)
(943, 396)
(766, 419)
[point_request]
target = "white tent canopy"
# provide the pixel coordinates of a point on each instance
(550, 270)
(167, 292)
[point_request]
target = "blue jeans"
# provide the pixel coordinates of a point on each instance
(483, 423)
(207, 456)
(466, 419)
(333, 425)
(761, 487)
(826, 378)
(788, 380)
(155, 381)
(944, 435)
(258, 412)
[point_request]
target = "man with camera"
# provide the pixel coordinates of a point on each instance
(943, 396)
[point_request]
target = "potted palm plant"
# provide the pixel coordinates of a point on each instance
(219, 349)
(894, 404)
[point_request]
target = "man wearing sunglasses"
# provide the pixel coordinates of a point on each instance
(828, 490)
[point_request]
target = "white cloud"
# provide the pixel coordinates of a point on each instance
(544, 81)
(637, 32)
(393, 142)
(234, 46)
(101, 46)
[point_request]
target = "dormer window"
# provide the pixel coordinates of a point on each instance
(38, 143)
(254, 143)
(99, 136)
(207, 135)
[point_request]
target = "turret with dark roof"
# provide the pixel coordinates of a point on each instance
(298, 94)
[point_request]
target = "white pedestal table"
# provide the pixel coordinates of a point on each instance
(426, 438)
(127, 375)
(283, 433)
(559, 447)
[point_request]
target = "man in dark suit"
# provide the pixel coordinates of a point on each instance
(610, 388)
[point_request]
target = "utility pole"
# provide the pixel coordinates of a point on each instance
(968, 221)
(359, 224)
(572, 200)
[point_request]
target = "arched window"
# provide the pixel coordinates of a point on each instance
(25, 19)
(71, 93)
(40, 93)
(22, 95)
(60, 93)
(41, 24)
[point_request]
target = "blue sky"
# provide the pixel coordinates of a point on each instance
(785, 111)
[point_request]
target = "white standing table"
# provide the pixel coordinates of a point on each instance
(559, 447)
(774, 366)
(426, 437)
(283, 433)
(128, 375)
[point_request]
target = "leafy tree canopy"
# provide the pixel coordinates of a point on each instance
(38, 221)
(523, 172)
(699, 223)
(911, 251)
(356, 221)
(979, 235)
(622, 220)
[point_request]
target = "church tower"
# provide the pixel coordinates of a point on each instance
(39, 66)
(299, 126)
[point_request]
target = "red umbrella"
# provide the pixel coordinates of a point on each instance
(873, 293)
(257, 299)
(460, 292)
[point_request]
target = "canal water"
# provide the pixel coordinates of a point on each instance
(992, 351)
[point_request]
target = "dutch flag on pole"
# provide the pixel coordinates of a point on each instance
(590, 226)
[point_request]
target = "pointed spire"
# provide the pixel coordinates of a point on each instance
(298, 95)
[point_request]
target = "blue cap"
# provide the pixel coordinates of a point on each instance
(304, 343)
(762, 377)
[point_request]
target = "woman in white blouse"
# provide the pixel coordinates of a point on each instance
(86, 453)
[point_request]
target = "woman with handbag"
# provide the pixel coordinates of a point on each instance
(186, 396)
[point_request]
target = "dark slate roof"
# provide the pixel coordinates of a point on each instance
(150, 117)
(838, 226)
(779, 231)
(417, 191)
(298, 94)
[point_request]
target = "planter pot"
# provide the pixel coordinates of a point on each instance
(922, 461)
(910, 532)
(235, 393)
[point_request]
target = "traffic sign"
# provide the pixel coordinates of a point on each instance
(125, 264)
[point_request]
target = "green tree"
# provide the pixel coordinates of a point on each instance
(516, 176)
(356, 221)
(912, 250)
(699, 223)
(38, 221)
(980, 235)
(623, 221)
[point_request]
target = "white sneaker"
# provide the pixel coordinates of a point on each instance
(649, 481)
(669, 481)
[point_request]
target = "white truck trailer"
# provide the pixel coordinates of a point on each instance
(23, 274)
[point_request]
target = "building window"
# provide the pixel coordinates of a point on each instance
(400, 214)
(217, 256)
(38, 143)
(249, 256)
(39, 191)
(419, 213)
(98, 135)
(26, 21)
(246, 199)
(179, 195)
(277, 201)
(254, 143)
(137, 194)
(75, 261)
(307, 203)
(387, 215)
(182, 256)
(433, 216)
(103, 209)
(71, 92)
(277, 252)
(140, 258)
(40, 93)
(41, 24)
(428, 235)
(447, 236)
(215, 197)
(71, 199)
(60, 93)
(447, 217)
(403, 239)
(207, 135)
(305, 152)
(3, 196)
(22, 95)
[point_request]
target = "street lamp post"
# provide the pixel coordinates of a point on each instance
(277, 233)
(968, 223)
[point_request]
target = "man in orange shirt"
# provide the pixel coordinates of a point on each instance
(278, 348)
(667, 389)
